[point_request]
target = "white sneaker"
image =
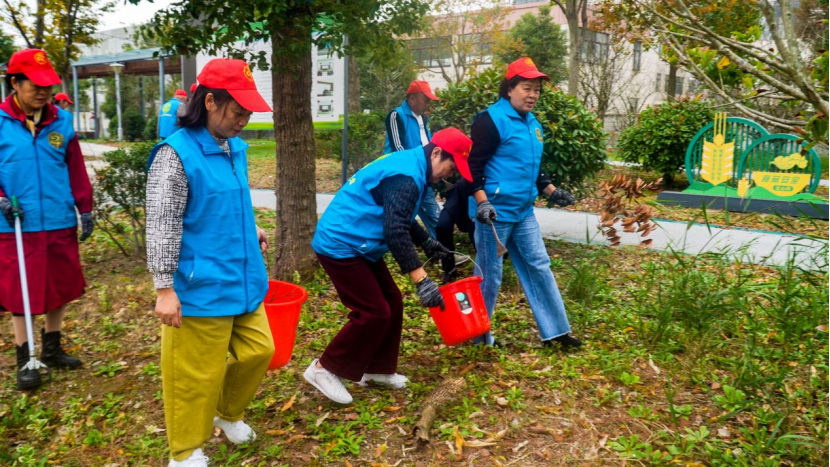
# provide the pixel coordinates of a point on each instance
(238, 432)
(328, 383)
(395, 380)
(196, 459)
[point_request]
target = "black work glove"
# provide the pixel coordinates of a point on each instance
(485, 213)
(429, 294)
(561, 197)
(9, 210)
(87, 225)
(434, 249)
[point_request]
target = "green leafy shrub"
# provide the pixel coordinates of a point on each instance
(367, 134)
(661, 135)
(151, 129)
(120, 190)
(574, 138)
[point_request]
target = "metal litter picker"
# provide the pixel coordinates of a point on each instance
(34, 363)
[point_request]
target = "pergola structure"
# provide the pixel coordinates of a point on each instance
(146, 62)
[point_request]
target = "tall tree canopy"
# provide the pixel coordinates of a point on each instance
(538, 37)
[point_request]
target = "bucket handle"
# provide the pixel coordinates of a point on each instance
(470, 258)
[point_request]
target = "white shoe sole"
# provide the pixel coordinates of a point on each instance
(236, 440)
(310, 378)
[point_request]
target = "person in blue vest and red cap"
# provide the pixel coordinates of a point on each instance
(371, 214)
(63, 101)
(204, 250)
(407, 127)
(506, 164)
(170, 112)
(42, 166)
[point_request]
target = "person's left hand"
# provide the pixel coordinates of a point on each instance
(434, 249)
(263, 239)
(561, 197)
(87, 224)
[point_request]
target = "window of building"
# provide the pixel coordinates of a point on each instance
(633, 105)
(431, 52)
(657, 87)
(636, 55)
(524, 2)
(678, 86)
(594, 46)
(480, 48)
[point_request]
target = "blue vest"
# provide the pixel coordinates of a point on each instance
(221, 272)
(352, 225)
(511, 174)
(411, 137)
(35, 171)
(167, 118)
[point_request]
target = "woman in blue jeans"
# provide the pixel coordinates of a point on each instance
(505, 162)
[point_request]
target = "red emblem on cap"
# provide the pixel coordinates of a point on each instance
(40, 58)
(247, 72)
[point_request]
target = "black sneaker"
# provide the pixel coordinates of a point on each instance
(567, 341)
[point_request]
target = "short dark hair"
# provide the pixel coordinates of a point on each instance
(196, 113)
(507, 85)
(17, 76)
(430, 147)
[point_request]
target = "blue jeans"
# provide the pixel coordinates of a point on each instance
(429, 211)
(530, 259)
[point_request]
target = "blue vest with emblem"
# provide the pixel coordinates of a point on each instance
(352, 225)
(167, 117)
(34, 170)
(411, 138)
(511, 174)
(221, 272)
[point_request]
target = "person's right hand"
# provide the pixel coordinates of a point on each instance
(429, 294)
(168, 307)
(485, 213)
(8, 210)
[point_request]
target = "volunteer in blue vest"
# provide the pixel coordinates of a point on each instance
(170, 113)
(205, 253)
(407, 127)
(42, 166)
(63, 101)
(370, 215)
(506, 164)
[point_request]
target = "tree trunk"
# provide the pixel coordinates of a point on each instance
(295, 179)
(40, 15)
(671, 82)
(574, 46)
(354, 86)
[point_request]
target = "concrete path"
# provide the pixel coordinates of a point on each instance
(747, 245)
(94, 150)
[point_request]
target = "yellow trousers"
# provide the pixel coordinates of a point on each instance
(200, 380)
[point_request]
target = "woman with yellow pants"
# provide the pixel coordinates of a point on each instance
(204, 251)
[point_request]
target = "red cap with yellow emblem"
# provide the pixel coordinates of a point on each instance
(235, 77)
(35, 65)
(525, 68)
(458, 145)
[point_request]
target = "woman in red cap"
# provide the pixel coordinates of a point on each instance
(42, 166)
(205, 253)
(62, 100)
(506, 164)
(372, 214)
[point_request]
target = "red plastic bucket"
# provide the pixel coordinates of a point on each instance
(465, 315)
(282, 306)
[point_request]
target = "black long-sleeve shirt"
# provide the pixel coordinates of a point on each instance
(399, 195)
(486, 140)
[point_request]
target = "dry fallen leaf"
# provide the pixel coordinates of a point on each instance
(502, 402)
(520, 446)
(459, 440)
(276, 432)
(288, 403)
(322, 419)
(653, 366)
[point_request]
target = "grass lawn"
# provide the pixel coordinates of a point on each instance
(687, 360)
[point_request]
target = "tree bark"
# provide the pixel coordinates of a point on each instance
(40, 15)
(574, 45)
(671, 82)
(354, 86)
(295, 179)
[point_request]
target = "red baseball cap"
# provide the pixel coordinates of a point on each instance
(421, 86)
(180, 92)
(235, 77)
(61, 96)
(193, 87)
(525, 68)
(35, 65)
(455, 142)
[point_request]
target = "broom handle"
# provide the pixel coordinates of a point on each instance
(24, 285)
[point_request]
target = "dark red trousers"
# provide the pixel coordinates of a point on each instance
(371, 339)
